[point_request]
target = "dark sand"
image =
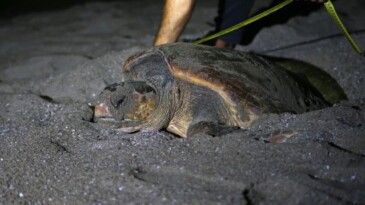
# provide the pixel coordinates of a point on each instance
(53, 64)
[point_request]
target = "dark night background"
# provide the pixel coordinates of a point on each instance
(12, 8)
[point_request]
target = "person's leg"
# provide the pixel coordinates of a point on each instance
(231, 12)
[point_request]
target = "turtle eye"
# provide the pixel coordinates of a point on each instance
(113, 87)
(117, 103)
(142, 87)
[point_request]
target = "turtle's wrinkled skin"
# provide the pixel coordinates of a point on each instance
(190, 89)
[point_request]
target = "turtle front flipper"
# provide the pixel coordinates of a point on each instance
(209, 128)
(186, 129)
(201, 112)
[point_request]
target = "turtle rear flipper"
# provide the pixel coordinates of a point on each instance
(209, 128)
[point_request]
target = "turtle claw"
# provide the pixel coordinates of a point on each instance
(129, 127)
(278, 137)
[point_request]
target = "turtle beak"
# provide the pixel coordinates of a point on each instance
(101, 110)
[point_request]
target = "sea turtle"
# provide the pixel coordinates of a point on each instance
(189, 89)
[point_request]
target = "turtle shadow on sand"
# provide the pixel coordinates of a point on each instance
(192, 89)
(313, 76)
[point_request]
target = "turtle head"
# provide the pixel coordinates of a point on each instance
(126, 106)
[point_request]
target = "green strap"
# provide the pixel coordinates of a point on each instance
(246, 22)
(328, 4)
(331, 10)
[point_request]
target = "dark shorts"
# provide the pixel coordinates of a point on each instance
(231, 12)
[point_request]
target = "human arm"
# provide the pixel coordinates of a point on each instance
(175, 17)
